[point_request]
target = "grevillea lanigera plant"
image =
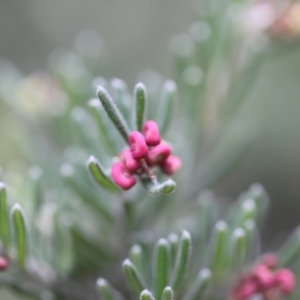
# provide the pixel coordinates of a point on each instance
(146, 150)
(118, 201)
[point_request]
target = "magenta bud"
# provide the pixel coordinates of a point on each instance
(131, 164)
(270, 260)
(3, 263)
(151, 133)
(264, 277)
(247, 289)
(121, 176)
(137, 145)
(158, 154)
(286, 280)
(171, 164)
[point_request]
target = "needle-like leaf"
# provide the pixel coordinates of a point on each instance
(140, 96)
(133, 277)
(166, 105)
(182, 260)
(4, 219)
(100, 175)
(20, 233)
(113, 112)
(106, 290)
(161, 266)
(146, 295)
(167, 294)
(200, 285)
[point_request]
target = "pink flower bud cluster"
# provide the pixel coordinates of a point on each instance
(146, 150)
(266, 280)
(3, 264)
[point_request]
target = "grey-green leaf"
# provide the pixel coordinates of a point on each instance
(167, 294)
(20, 233)
(4, 220)
(218, 248)
(290, 251)
(103, 128)
(182, 260)
(113, 112)
(35, 175)
(166, 105)
(173, 241)
(106, 290)
(200, 286)
(165, 187)
(64, 246)
(100, 175)
(122, 97)
(161, 266)
(146, 295)
(133, 277)
(140, 96)
(136, 257)
(238, 249)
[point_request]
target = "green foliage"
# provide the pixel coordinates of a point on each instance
(76, 224)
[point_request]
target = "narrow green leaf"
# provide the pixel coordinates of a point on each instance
(261, 199)
(106, 291)
(140, 96)
(173, 241)
(35, 175)
(218, 248)
(133, 277)
(146, 295)
(166, 105)
(238, 249)
(121, 97)
(136, 257)
(4, 219)
(167, 294)
(290, 251)
(100, 175)
(246, 212)
(158, 189)
(200, 285)
(182, 260)
(161, 267)
(102, 126)
(20, 233)
(113, 112)
(253, 241)
(64, 247)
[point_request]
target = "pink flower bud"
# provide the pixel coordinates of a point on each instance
(286, 280)
(3, 263)
(264, 277)
(151, 133)
(247, 289)
(158, 154)
(137, 145)
(132, 164)
(270, 260)
(171, 164)
(121, 176)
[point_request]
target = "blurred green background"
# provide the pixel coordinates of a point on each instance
(137, 35)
